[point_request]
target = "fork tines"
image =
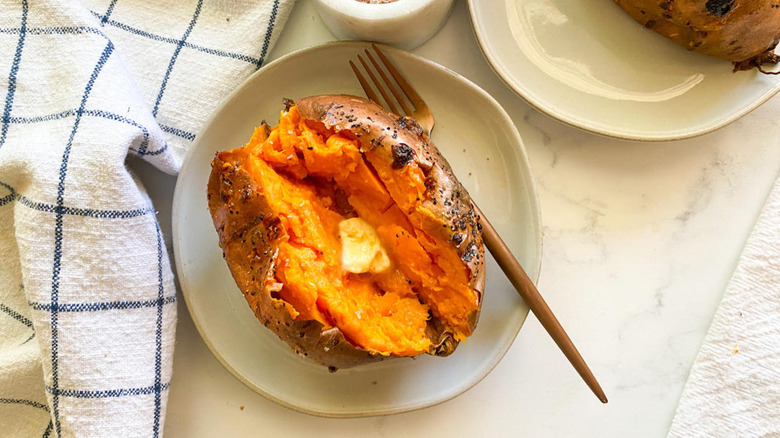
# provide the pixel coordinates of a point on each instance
(385, 82)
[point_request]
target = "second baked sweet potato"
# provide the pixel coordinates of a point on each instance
(744, 32)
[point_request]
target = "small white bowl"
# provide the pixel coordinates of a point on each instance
(402, 23)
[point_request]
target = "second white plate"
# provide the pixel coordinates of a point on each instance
(589, 64)
(485, 150)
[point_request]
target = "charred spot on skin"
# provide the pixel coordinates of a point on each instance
(332, 369)
(719, 8)
(402, 154)
(410, 125)
(457, 238)
(288, 103)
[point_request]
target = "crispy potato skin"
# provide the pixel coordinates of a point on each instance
(249, 232)
(734, 30)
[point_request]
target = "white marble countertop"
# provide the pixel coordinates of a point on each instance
(640, 240)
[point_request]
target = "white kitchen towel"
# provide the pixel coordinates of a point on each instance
(734, 386)
(87, 301)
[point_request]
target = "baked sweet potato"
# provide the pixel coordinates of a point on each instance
(297, 204)
(744, 32)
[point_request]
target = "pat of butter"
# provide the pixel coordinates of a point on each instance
(361, 250)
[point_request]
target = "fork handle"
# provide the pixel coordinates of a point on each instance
(527, 290)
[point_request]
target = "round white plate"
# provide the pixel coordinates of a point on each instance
(484, 149)
(589, 64)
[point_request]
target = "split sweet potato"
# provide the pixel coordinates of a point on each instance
(280, 205)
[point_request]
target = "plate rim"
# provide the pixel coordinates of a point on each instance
(577, 122)
(522, 157)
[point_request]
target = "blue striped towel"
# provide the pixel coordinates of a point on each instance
(87, 313)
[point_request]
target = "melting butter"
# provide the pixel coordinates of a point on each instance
(361, 250)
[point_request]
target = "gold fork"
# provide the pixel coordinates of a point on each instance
(511, 267)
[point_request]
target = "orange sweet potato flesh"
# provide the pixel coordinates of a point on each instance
(277, 203)
(313, 178)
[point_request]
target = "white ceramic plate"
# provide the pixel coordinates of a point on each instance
(485, 150)
(589, 64)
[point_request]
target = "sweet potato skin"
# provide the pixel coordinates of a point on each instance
(740, 31)
(249, 232)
